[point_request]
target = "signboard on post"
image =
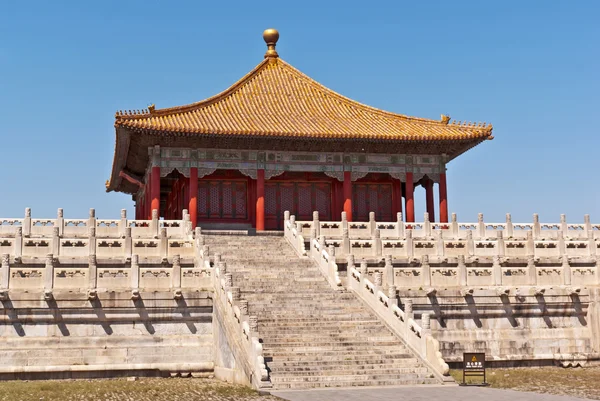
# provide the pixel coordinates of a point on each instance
(474, 366)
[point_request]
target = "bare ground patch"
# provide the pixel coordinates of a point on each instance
(575, 382)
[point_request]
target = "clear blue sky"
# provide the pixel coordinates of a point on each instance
(529, 67)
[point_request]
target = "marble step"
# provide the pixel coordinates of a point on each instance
(361, 363)
(352, 383)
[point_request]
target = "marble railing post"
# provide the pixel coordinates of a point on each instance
(92, 272)
(562, 248)
(92, 240)
(176, 272)
(454, 226)
(425, 323)
(154, 224)
(344, 221)
(5, 272)
(350, 259)
(566, 269)
(206, 252)
(27, 223)
(128, 242)
(372, 223)
(299, 228)
(316, 223)
(313, 235)
(363, 270)
(426, 270)
(135, 272)
(243, 305)
(163, 243)
(480, 226)
(592, 243)
(588, 225)
(253, 324)
(530, 244)
(392, 295)
(293, 221)
(377, 242)
(509, 226)
(49, 273)
(378, 279)
(346, 241)
(408, 308)
(18, 248)
(531, 270)
(60, 222)
(235, 294)
(123, 224)
(92, 218)
(228, 280)
(500, 245)
(563, 225)
(462, 271)
(55, 241)
(388, 271)
(331, 252)
(439, 242)
(496, 270)
(470, 243)
(322, 244)
(286, 216)
(426, 225)
(399, 225)
(410, 250)
(536, 226)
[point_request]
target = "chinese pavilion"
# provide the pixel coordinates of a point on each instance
(277, 140)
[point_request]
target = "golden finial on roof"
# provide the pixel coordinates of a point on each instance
(271, 36)
(151, 108)
(106, 184)
(445, 119)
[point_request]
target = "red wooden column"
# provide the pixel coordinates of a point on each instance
(155, 190)
(147, 198)
(260, 200)
(443, 199)
(429, 199)
(410, 200)
(397, 196)
(348, 194)
(193, 206)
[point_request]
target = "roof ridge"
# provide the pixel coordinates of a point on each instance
(151, 111)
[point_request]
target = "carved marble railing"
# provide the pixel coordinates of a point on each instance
(416, 335)
(453, 230)
(236, 313)
(436, 259)
(71, 255)
(323, 256)
(29, 227)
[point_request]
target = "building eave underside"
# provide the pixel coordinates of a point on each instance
(131, 148)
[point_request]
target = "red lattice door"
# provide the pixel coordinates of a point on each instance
(372, 198)
(222, 200)
(299, 198)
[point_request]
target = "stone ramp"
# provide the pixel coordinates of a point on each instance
(313, 336)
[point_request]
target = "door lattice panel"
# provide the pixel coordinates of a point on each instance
(372, 198)
(222, 200)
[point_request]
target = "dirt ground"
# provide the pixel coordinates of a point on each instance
(575, 382)
(143, 389)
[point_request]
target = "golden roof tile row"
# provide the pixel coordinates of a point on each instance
(275, 99)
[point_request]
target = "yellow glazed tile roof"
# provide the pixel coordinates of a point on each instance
(275, 99)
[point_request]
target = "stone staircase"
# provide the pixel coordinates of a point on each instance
(313, 336)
